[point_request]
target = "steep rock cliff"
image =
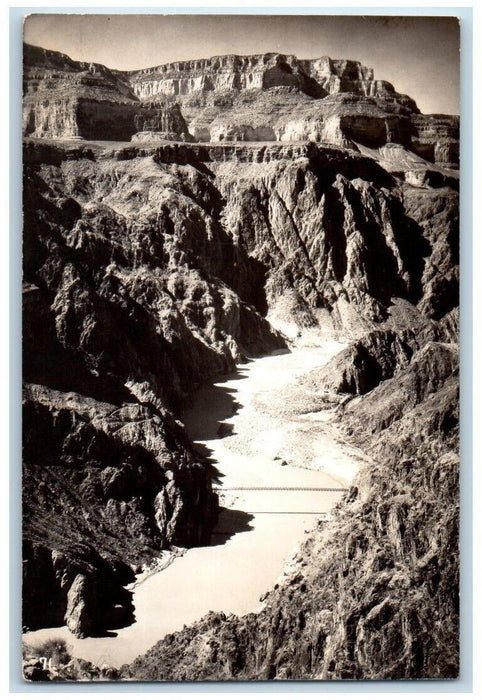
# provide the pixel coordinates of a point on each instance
(334, 227)
(164, 122)
(105, 488)
(436, 138)
(317, 77)
(125, 312)
(71, 99)
(381, 354)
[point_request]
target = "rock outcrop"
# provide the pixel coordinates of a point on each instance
(317, 77)
(163, 122)
(69, 99)
(382, 354)
(52, 661)
(436, 138)
(335, 228)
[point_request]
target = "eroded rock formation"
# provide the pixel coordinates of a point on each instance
(160, 121)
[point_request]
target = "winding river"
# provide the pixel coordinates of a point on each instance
(269, 499)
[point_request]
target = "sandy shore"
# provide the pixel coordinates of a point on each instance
(241, 423)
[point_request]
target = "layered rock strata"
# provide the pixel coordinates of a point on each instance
(269, 97)
(71, 99)
(436, 138)
(164, 122)
(317, 78)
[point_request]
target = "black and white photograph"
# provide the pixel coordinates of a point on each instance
(240, 348)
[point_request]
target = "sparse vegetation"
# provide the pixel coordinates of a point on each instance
(54, 650)
(51, 660)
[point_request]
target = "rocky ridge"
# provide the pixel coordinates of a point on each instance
(317, 77)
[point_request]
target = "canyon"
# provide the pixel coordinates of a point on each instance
(188, 221)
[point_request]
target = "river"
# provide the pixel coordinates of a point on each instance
(270, 499)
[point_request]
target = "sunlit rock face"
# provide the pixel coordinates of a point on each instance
(211, 93)
(318, 77)
(71, 99)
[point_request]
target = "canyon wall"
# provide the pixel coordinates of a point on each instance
(128, 306)
(317, 78)
(268, 97)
